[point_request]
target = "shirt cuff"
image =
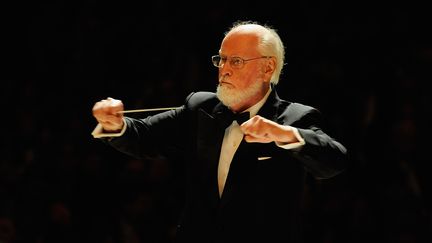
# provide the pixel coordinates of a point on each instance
(295, 145)
(99, 133)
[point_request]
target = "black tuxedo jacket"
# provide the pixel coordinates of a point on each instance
(261, 199)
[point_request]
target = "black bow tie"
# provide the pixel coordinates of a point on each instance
(226, 117)
(241, 117)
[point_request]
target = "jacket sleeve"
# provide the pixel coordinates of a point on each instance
(322, 155)
(169, 132)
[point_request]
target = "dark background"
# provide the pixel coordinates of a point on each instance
(365, 65)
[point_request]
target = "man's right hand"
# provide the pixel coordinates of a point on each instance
(108, 113)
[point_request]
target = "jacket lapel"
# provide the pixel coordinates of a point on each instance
(211, 129)
(270, 109)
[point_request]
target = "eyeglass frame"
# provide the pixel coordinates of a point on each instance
(219, 63)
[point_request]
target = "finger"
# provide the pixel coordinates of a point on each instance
(109, 117)
(253, 139)
(114, 102)
(108, 106)
(252, 125)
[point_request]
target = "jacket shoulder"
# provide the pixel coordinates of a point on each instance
(295, 111)
(201, 99)
(294, 106)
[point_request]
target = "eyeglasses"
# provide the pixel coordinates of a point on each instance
(235, 62)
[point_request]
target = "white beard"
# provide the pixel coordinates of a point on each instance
(230, 96)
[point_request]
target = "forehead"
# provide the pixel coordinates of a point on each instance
(240, 43)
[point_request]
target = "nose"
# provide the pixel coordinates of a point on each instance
(225, 70)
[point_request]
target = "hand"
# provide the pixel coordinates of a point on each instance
(108, 113)
(261, 130)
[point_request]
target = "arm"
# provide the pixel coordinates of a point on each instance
(139, 138)
(301, 132)
(169, 132)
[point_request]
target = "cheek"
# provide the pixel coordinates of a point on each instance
(248, 78)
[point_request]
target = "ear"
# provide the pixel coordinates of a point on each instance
(270, 66)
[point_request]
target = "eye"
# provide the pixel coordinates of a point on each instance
(236, 61)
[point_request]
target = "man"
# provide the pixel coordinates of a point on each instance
(245, 179)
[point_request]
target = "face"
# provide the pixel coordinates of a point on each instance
(241, 88)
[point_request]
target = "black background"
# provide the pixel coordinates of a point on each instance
(365, 65)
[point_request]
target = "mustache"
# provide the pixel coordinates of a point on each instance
(223, 78)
